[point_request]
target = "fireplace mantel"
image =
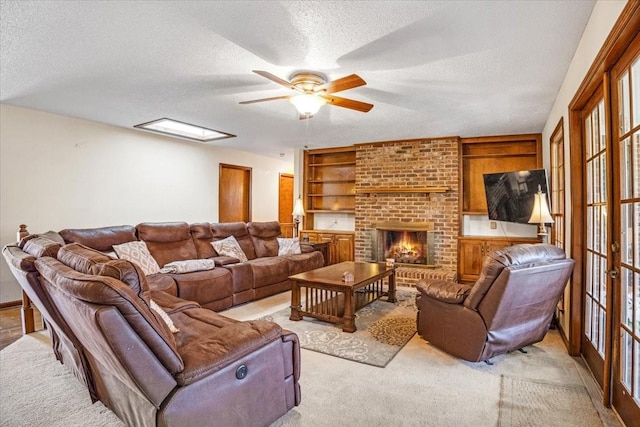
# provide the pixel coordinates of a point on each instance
(379, 190)
(408, 226)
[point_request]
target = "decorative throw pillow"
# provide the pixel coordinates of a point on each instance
(188, 266)
(289, 246)
(229, 247)
(155, 307)
(139, 253)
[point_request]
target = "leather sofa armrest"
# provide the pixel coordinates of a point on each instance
(225, 260)
(172, 304)
(305, 248)
(445, 291)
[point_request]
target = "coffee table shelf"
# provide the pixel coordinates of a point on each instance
(329, 298)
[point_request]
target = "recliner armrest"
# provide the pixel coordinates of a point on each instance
(445, 291)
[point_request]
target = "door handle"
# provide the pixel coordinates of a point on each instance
(614, 274)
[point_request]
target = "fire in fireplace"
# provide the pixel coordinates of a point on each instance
(405, 243)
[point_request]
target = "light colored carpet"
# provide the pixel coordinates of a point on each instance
(421, 386)
(383, 328)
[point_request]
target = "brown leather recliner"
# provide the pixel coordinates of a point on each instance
(510, 306)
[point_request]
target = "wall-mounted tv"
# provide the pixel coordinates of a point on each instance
(510, 195)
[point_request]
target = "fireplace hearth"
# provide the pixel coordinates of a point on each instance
(408, 243)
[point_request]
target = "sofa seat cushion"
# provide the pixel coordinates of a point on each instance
(204, 286)
(209, 341)
(269, 270)
(172, 304)
(300, 263)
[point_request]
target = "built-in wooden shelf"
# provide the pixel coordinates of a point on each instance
(380, 190)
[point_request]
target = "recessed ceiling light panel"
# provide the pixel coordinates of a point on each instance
(183, 130)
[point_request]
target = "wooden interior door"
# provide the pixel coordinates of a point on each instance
(234, 194)
(285, 203)
(624, 269)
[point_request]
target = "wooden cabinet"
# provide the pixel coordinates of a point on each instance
(341, 244)
(472, 251)
(490, 155)
(329, 182)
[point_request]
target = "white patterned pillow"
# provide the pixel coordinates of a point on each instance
(139, 253)
(155, 307)
(188, 266)
(289, 246)
(229, 247)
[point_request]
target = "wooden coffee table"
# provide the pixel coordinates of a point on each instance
(329, 298)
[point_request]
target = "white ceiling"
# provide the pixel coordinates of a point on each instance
(433, 68)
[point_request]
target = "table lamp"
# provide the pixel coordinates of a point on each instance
(540, 214)
(298, 213)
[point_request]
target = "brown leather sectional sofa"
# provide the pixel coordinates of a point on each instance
(104, 326)
(262, 275)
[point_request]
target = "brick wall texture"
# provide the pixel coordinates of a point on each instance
(409, 164)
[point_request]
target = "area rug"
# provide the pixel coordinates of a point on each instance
(383, 328)
(523, 401)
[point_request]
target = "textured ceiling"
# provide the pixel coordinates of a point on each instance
(433, 68)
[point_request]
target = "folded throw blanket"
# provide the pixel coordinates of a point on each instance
(188, 266)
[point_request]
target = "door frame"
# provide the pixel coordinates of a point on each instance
(622, 34)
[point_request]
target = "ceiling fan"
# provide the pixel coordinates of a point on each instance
(314, 91)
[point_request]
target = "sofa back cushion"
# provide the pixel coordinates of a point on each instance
(102, 238)
(202, 237)
(73, 288)
(522, 255)
(265, 237)
(168, 241)
(239, 231)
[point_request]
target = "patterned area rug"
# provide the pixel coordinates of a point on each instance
(383, 328)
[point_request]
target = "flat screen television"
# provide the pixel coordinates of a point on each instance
(510, 195)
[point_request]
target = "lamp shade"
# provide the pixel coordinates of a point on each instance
(540, 213)
(298, 209)
(307, 104)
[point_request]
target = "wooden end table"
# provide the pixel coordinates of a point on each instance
(329, 298)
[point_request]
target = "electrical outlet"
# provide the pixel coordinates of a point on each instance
(493, 225)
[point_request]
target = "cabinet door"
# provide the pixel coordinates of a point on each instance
(470, 257)
(344, 244)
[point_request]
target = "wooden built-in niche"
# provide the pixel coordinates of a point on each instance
(478, 156)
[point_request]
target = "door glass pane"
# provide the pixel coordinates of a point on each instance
(635, 172)
(636, 235)
(635, 81)
(626, 359)
(623, 92)
(626, 233)
(625, 169)
(587, 142)
(636, 369)
(626, 285)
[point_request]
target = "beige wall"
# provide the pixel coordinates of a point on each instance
(59, 172)
(603, 17)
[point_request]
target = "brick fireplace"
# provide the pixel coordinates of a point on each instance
(392, 186)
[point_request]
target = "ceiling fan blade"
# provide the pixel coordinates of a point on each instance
(348, 103)
(266, 99)
(277, 79)
(339, 85)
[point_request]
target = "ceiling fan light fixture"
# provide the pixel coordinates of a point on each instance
(307, 104)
